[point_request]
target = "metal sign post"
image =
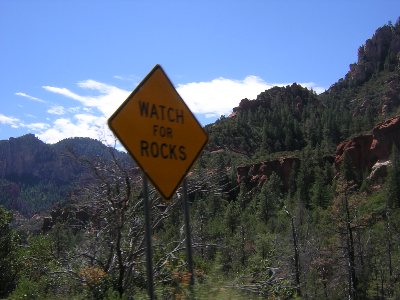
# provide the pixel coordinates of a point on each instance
(147, 228)
(188, 239)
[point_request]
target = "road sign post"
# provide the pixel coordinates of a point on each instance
(149, 254)
(188, 239)
(161, 133)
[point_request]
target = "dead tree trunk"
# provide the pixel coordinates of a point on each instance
(296, 253)
(352, 282)
(296, 257)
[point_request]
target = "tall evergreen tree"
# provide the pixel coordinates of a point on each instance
(318, 191)
(269, 198)
(7, 254)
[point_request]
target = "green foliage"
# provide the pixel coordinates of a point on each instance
(321, 191)
(27, 289)
(232, 216)
(8, 245)
(393, 179)
(269, 199)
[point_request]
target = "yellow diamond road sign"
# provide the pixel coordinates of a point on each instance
(160, 132)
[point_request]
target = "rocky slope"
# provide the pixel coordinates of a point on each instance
(378, 53)
(35, 175)
(368, 153)
(373, 82)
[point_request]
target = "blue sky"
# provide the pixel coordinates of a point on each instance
(65, 66)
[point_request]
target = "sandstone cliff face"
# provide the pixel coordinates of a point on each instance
(385, 134)
(257, 174)
(357, 149)
(366, 150)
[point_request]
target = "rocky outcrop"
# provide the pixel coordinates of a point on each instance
(246, 104)
(385, 134)
(379, 52)
(257, 174)
(379, 171)
(357, 149)
(366, 150)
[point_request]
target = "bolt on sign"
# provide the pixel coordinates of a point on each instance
(159, 131)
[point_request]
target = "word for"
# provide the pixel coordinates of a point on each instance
(162, 150)
(161, 112)
(162, 131)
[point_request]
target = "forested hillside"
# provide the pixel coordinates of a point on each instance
(296, 196)
(35, 176)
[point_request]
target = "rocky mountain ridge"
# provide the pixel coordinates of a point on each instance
(378, 53)
(35, 175)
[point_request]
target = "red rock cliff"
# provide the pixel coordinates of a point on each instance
(366, 150)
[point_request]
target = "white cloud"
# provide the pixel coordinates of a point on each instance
(36, 126)
(30, 97)
(80, 125)
(6, 120)
(17, 123)
(109, 98)
(31, 116)
(92, 123)
(76, 109)
(65, 92)
(219, 96)
(56, 110)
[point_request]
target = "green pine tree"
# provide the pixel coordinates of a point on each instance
(7, 254)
